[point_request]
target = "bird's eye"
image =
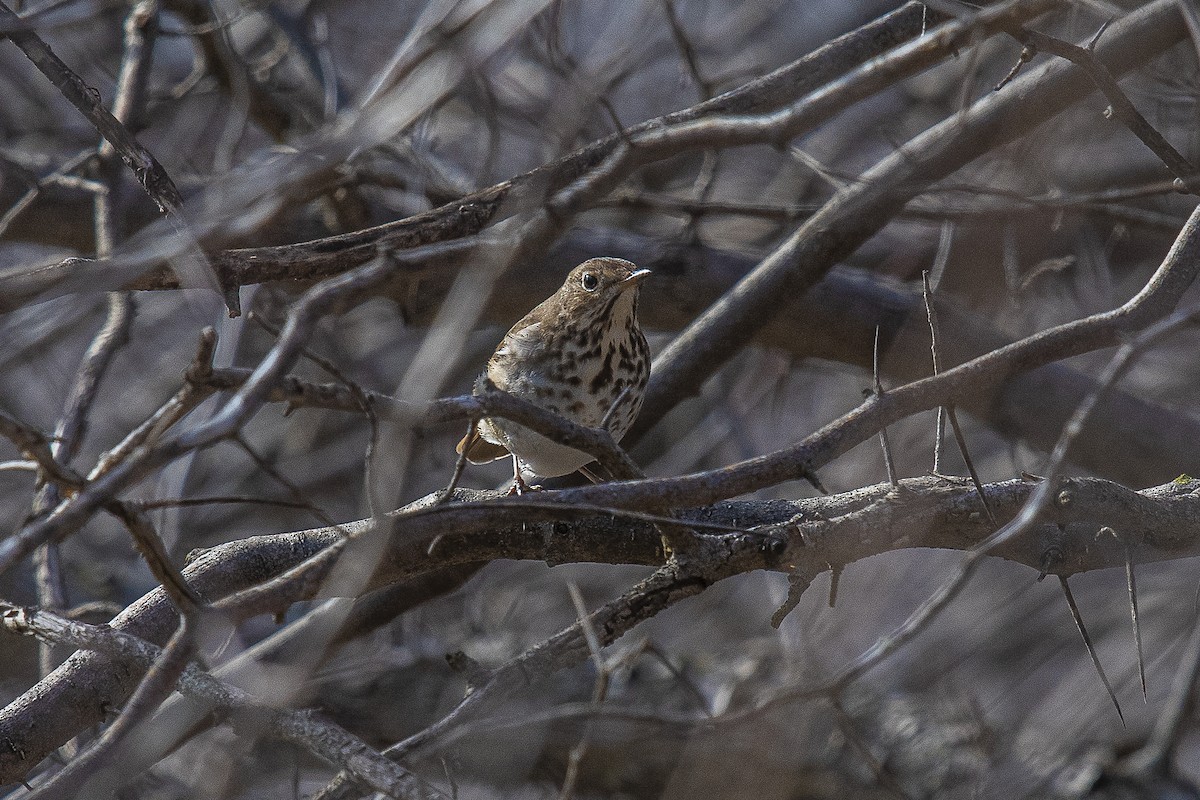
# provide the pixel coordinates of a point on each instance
(590, 281)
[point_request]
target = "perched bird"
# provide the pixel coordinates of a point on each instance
(578, 354)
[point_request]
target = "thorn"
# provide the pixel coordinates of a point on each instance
(1087, 641)
(233, 301)
(835, 574)
(1096, 39)
(1131, 585)
(961, 439)
(797, 583)
(811, 476)
(1050, 558)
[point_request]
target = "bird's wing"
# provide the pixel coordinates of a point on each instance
(478, 449)
(521, 361)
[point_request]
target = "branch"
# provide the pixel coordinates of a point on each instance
(320, 737)
(857, 212)
(35, 445)
(149, 173)
(809, 535)
(1119, 103)
(469, 216)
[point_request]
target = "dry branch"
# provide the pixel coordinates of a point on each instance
(321, 737)
(857, 212)
(434, 546)
(469, 216)
(149, 173)
(803, 536)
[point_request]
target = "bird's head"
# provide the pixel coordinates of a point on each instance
(601, 287)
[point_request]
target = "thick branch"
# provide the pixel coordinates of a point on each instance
(810, 535)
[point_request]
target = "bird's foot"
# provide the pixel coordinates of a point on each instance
(520, 487)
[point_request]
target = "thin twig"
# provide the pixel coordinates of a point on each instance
(686, 50)
(298, 494)
(961, 439)
(360, 397)
(1119, 103)
(460, 465)
(599, 692)
(939, 435)
(888, 463)
(149, 173)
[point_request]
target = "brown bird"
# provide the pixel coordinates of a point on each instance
(578, 354)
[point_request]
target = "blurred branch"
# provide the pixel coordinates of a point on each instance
(1120, 105)
(468, 216)
(149, 173)
(322, 738)
(69, 435)
(277, 116)
(859, 211)
(112, 336)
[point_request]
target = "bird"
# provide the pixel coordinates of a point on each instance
(581, 354)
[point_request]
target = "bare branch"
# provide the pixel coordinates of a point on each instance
(1120, 105)
(320, 737)
(149, 173)
(856, 213)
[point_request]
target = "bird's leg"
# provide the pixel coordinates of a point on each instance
(519, 486)
(592, 475)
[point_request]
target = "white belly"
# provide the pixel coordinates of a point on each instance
(538, 455)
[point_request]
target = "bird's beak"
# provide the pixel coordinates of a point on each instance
(635, 278)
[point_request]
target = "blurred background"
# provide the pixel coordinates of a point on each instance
(287, 122)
